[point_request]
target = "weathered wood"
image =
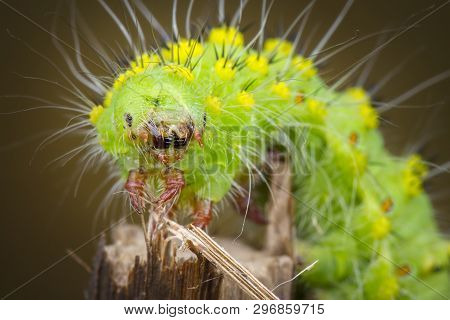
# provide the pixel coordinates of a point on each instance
(280, 230)
(174, 269)
(121, 270)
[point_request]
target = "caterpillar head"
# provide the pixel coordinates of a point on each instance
(149, 116)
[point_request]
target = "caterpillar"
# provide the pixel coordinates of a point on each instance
(185, 121)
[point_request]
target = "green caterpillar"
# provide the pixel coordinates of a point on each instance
(186, 121)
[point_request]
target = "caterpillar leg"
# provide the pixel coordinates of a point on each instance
(173, 184)
(202, 213)
(136, 185)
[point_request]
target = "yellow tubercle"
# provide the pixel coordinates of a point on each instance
(381, 228)
(224, 69)
(120, 80)
(305, 66)
(246, 100)
(226, 35)
(179, 71)
(107, 99)
(213, 104)
(413, 174)
(182, 50)
(358, 94)
(281, 89)
(280, 46)
(316, 108)
(143, 62)
(95, 114)
(369, 116)
(258, 63)
(412, 184)
(417, 166)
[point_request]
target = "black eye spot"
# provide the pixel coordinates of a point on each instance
(167, 142)
(179, 142)
(128, 119)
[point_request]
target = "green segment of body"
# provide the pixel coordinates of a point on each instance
(360, 199)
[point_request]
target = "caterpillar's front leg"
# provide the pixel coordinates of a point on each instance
(136, 187)
(202, 213)
(173, 184)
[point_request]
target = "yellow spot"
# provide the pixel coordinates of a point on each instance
(316, 108)
(120, 80)
(179, 71)
(129, 73)
(413, 175)
(305, 66)
(277, 45)
(213, 104)
(108, 98)
(246, 99)
(224, 69)
(369, 116)
(412, 183)
(95, 114)
(381, 228)
(258, 63)
(417, 167)
(181, 51)
(358, 94)
(226, 35)
(281, 89)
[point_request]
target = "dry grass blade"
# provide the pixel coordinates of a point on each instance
(200, 242)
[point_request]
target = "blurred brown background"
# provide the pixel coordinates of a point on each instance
(41, 218)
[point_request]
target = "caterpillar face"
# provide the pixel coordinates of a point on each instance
(163, 137)
(150, 121)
